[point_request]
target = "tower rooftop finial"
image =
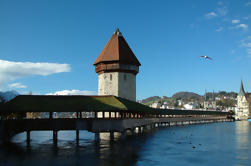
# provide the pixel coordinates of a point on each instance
(117, 32)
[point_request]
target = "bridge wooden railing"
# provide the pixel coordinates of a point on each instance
(105, 113)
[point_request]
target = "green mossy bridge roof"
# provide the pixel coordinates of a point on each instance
(47, 103)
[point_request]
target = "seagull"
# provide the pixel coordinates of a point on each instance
(206, 57)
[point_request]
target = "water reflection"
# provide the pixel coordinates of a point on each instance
(243, 140)
(209, 144)
(42, 151)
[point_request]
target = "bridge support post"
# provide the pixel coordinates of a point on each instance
(123, 134)
(55, 136)
(111, 136)
(50, 115)
(132, 130)
(97, 136)
(139, 129)
(28, 139)
(77, 137)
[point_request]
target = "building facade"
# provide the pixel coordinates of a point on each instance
(117, 67)
(209, 102)
(243, 110)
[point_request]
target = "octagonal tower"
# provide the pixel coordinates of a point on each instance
(117, 67)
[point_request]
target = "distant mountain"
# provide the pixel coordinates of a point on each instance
(186, 95)
(7, 96)
(150, 99)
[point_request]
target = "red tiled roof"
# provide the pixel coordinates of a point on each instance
(117, 50)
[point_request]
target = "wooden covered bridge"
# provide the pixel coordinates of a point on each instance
(93, 113)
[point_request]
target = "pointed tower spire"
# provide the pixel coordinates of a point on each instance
(213, 97)
(117, 51)
(117, 32)
(205, 96)
(242, 92)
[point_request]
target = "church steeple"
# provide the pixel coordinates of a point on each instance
(242, 92)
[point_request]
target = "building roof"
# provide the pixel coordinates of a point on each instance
(117, 50)
(242, 92)
(47, 103)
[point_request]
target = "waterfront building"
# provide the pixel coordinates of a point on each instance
(155, 105)
(117, 67)
(181, 102)
(209, 101)
(243, 110)
(191, 105)
(164, 106)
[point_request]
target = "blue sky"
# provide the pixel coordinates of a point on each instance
(48, 46)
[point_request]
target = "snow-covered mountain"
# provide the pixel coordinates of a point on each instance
(7, 96)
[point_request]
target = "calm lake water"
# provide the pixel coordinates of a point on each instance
(227, 144)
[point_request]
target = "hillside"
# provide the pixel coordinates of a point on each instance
(186, 95)
(150, 100)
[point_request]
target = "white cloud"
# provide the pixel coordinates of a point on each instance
(222, 11)
(243, 26)
(249, 51)
(240, 26)
(73, 92)
(246, 45)
(17, 85)
(10, 71)
(248, 4)
(219, 29)
(235, 21)
(247, 17)
(220, 3)
(211, 15)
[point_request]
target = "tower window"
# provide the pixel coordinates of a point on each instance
(124, 77)
(110, 77)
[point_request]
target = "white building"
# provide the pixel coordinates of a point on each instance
(243, 104)
(209, 102)
(155, 105)
(180, 102)
(190, 105)
(164, 106)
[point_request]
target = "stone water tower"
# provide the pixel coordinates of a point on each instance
(117, 67)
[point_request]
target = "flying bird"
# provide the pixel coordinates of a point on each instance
(206, 57)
